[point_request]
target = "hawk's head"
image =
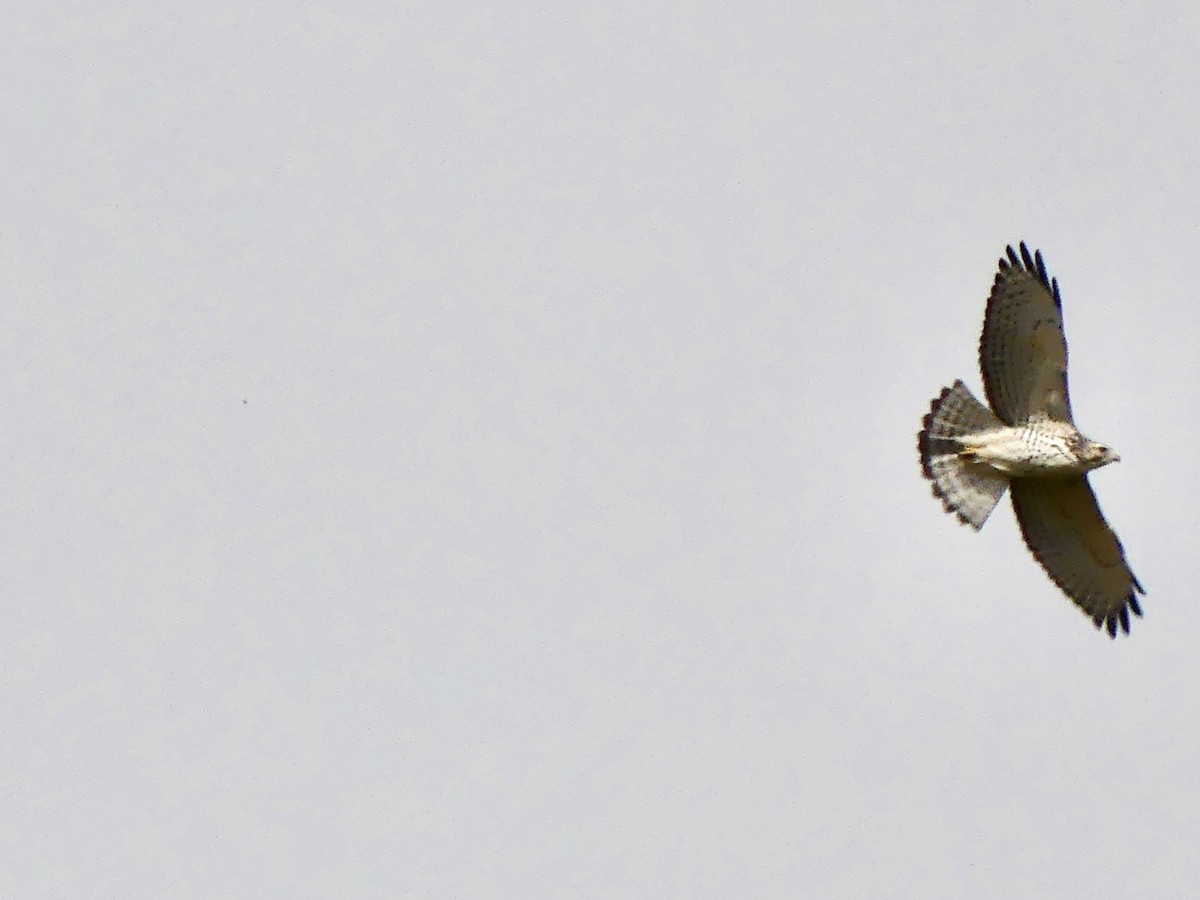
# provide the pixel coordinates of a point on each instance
(1094, 455)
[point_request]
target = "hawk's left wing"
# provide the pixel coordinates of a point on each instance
(1066, 531)
(1023, 352)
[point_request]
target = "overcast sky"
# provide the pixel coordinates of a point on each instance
(467, 453)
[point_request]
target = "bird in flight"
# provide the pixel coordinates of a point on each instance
(1027, 442)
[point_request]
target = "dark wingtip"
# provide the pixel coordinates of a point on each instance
(1030, 264)
(1120, 618)
(1034, 264)
(1131, 606)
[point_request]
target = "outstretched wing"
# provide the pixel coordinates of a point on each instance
(1023, 352)
(1065, 530)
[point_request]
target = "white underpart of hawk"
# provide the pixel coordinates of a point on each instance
(1027, 442)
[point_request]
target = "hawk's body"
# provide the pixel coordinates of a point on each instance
(1028, 442)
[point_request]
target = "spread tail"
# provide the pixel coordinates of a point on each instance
(966, 488)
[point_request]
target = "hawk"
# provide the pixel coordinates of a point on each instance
(1027, 442)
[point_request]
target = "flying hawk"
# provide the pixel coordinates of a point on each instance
(1028, 442)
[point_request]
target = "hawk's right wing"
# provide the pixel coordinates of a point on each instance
(1065, 530)
(1023, 351)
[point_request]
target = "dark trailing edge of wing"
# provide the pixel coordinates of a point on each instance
(1035, 265)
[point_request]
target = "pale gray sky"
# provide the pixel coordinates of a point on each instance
(468, 450)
